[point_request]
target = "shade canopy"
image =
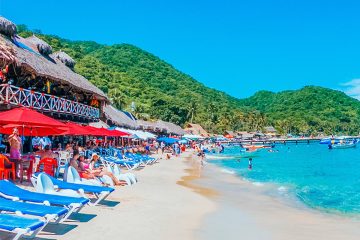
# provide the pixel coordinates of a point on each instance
(39, 131)
(167, 140)
(28, 117)
(30, 123)
(93, 131)
(75, 129)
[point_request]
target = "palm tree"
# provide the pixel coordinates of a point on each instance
(117, 98)
(192, 110)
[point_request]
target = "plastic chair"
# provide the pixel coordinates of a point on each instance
(63, 162)
(47, 165)
(6, 171)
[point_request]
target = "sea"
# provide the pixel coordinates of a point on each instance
(322, 179)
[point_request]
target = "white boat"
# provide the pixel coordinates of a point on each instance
(342, 146)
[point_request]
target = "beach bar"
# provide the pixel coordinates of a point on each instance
(32, 76)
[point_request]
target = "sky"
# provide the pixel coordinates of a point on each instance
(238, 47)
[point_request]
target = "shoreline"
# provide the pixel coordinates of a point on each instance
(244, 208)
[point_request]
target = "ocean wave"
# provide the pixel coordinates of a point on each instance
(224, 170)
(282, 189)
(258, 184)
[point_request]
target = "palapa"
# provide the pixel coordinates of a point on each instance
(45, 66)
(42, 46)
(64, 58)
(7, 27)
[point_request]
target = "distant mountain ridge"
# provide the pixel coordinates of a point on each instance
(153, 89)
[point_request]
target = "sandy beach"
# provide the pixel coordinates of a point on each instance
(180, 199)
(155, 208)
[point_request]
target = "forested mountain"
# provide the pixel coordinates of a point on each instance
(159, 91)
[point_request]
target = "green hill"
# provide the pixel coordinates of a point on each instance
(309, 109)
(159, 91)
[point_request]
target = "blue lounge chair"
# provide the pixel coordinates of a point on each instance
(11, 191)
(98, 191)
(20, 225)
(48, 213)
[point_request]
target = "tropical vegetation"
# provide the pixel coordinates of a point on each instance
(138, 81)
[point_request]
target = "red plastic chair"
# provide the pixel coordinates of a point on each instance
(6, 171)
(47, 165)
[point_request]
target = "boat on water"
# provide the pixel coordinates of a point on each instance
(343, 144)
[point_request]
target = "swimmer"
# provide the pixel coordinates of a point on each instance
(250, 163)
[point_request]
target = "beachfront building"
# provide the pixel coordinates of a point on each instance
(113, 116)
(196, 129)
(270, 131)
(246, 135)
(161, 127)
(33, 76)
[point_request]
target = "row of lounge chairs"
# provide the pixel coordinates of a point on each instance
(55, 200)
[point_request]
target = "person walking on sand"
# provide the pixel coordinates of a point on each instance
(15, 145)
(156, 145)
(162, 146)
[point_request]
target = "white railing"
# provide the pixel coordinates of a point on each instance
(17, 96)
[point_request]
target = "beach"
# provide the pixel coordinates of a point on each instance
(181, 199)
(154, 208)
(247, 209)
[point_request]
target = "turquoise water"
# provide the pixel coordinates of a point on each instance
(325, 179)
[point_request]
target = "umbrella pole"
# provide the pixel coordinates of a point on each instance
(31, 146)
(22, 138)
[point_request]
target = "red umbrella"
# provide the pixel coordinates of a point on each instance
(30, 122)
(28, 117)
(75, 129)
(94, 131)
(32, 131)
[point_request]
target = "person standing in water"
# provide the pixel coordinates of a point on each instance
(15, 145)
(250, 163)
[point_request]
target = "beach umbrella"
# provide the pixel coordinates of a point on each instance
(28, 117)
(39, 131)
(75, 129)
(167, 140)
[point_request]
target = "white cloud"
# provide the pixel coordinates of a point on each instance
(352, 88)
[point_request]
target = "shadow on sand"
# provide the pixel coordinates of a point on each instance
(108, 203)
(81, 217)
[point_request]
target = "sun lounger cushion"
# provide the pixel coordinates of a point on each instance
(76, 186)
(10, 189)
(11, 222)
(30, 208)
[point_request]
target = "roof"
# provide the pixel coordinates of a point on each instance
(149, 125)
(25, 54)
(171, 127)
(118, 117)
(246, 134)
(230, 133)
(99, 124)
(270, 129)
(196, 129)
(163, 126)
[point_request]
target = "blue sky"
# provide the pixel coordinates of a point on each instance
(238, 47)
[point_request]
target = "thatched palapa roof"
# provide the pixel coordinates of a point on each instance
(118, 117)
(26, 56)
(171, 128)
(148, 125)
(7, 27)
(196, 129)
(42, 46)
(64, 58)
